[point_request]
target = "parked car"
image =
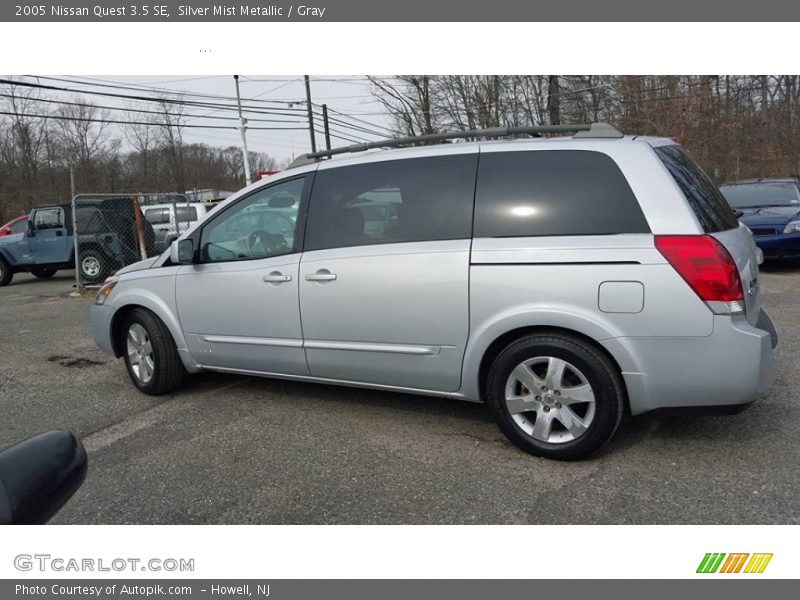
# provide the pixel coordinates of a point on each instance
(17, 225)
(771, 209)
(107, 240)
(171, 220)
(562, 281)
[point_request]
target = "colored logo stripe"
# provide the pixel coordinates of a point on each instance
(758, 563)
(734, 562)
(710, 562)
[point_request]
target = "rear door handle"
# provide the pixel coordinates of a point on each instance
(321, 275)
(276, 277)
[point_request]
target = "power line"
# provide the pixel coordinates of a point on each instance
(141, 110)
(232, 107)
(139, 88)
(119, 122)
(356, 119)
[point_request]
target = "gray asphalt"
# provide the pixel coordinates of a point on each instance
(229, 449)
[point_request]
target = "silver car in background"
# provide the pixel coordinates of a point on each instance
(563, 281)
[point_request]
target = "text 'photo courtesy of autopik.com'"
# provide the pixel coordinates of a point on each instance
(434, 284)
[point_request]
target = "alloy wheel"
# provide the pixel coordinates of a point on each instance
(550, 399)
(140, 353)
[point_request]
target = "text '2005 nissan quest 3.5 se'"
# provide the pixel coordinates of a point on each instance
(561, 280)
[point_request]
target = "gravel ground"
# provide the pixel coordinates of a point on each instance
(230, 449)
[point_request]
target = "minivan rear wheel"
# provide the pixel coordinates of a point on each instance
(555, 396)
(151, 357)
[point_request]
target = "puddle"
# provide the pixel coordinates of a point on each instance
(72, 361)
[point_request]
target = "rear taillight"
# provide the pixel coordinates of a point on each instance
(707, 267)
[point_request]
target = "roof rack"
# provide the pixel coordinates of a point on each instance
(588, 130)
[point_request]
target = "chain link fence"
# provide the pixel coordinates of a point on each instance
(116, 230)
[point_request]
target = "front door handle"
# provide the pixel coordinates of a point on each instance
(321, 275)
(276, 277)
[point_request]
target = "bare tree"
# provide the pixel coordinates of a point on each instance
(23, 143)
(141, 134)
(171, 142)
(83, 135)
(408, 101)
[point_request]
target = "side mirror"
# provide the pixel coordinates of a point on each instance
(181, 252)
(29, 230)
(38, 476)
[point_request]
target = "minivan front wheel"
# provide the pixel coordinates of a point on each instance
(555, 396)
(151, 357)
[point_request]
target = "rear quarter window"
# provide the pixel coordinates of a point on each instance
(554, 192)
(706, 201)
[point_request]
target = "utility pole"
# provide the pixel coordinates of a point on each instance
(327, 128)
(242, 127)
(310, 115)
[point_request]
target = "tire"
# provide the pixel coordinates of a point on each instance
(575, 404)
(6, 274)
(166, 371)
(92, 266)
(43, 272)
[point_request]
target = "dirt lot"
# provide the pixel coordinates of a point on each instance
(230, 449)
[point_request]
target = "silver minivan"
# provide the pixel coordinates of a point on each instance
(563, 281)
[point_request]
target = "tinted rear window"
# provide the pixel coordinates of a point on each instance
(554, 192)
(709, 205)
(408, 200)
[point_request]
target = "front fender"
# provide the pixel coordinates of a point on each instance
(158, 298)
(482, 335)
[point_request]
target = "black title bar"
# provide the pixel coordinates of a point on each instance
(405, 10)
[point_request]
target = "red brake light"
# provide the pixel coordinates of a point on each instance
(705, 264)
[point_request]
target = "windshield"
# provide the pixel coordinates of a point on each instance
(754, 195)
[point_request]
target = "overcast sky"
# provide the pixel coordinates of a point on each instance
(349, 94)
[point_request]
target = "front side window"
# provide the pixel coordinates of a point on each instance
(48, 218)
(409, 200)
(260, 226)
(552, 193)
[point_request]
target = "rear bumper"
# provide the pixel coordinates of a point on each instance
(732, 367)
(779, 246)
